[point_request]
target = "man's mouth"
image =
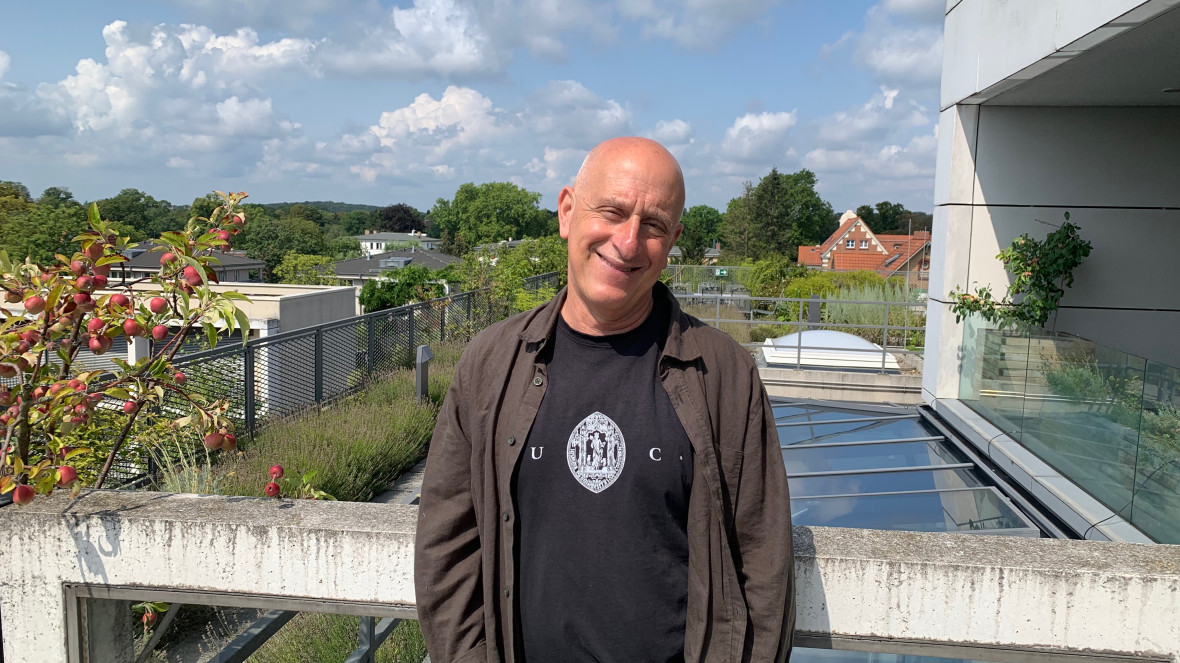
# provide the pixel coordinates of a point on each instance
(617, 266)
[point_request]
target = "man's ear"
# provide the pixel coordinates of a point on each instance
(676, 233)
(565, 210)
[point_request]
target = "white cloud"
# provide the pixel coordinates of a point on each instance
(440, 37)
(696, 24)
(901, 43)
(567, 111)
(876, 119)
(759, 136)
(672, 132)
(179, 162)
(5, 60)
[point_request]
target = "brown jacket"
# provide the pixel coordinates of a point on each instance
(740, 569)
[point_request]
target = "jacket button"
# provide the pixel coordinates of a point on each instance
(506, 516)
(537, 380)
(505, 593)
(511, 441)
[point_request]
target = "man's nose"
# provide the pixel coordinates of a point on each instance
(626, 238)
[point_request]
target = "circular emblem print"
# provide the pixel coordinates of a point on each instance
(596, 452)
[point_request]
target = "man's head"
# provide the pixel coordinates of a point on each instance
(621, 217)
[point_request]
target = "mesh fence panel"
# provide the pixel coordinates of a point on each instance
(281, 375)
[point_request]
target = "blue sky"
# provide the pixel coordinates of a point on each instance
(377, 102)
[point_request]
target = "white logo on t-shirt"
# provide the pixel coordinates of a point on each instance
(596, 452)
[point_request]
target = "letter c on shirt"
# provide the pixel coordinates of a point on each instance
(653, 455)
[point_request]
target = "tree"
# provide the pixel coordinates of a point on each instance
(14, 199)
(53, 415)
(488, 212)
(504, 270)
(702, 225)
(343, 248)
(737, 225)
(399, 218)
(778, 215)
(398, 287)
(56, 196)
(892, 218)
(303, 269)
(43, 232)
(140, 216)
(270, 239)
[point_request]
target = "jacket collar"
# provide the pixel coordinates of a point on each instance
(680, 344)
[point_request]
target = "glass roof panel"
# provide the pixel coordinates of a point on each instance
(978, 510)
(886, 482)
(862, 430)
(819, 458)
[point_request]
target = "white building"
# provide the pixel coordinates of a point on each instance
(373, 242)
(1050, 106)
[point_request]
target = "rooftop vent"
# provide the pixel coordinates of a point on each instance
(395, 263)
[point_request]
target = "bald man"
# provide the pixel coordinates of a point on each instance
(536, 546)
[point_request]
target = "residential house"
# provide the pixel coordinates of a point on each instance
(233, 267)
(854, 247)
(373, 242)
(359, 270)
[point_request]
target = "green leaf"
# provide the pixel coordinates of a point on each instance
(1067, 216)
(118, 392)
(243, 324)
(106, 260)
(51, 301)
(210, 333)
(93, 217)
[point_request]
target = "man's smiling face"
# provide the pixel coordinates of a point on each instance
(620, 218)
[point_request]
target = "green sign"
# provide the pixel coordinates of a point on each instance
(722, 272)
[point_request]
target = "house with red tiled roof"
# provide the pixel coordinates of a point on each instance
(854, 246)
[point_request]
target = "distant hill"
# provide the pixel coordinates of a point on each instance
(326, 205)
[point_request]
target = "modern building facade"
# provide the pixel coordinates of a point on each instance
(1047, 107)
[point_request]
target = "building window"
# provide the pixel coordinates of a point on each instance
(864, 243)
(850, 244)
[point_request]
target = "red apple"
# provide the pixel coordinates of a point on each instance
(272, 489)
(102, 270)
(95, 325)
(66, 475)
(159, 333)
(223, 235)
(100, 344)
(76, 384)
(179, 378)
(13, 296)
(192, 276)
(158, 305)
(56, 388)
(40, 392)
(167, 258)
(78, 268)
(35, 304)
(7, 371)
(100, 281)
(31, 336)
(94, 251)
(129, 407)
(120, 300)
(276, 472)
(213, 440)
(149, 619)
(132, 328)
(22, 495)
(229, 442)
(84, 284)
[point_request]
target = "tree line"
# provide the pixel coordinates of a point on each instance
(299, 242)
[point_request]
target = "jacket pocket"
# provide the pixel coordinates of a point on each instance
(479, 654)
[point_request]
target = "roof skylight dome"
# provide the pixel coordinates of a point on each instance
(824, 348)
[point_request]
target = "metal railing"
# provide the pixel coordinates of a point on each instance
(279, 376)
(897, 328)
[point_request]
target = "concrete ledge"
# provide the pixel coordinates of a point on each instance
(964, 594)
(842, 385)
(328, 551)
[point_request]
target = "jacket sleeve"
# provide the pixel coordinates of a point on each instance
(762, 527)
(447, 556)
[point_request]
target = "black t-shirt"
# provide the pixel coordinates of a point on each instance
(602, 502)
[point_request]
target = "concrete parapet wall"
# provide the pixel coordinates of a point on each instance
(970, 593)
(842, 385)
(330, 551)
